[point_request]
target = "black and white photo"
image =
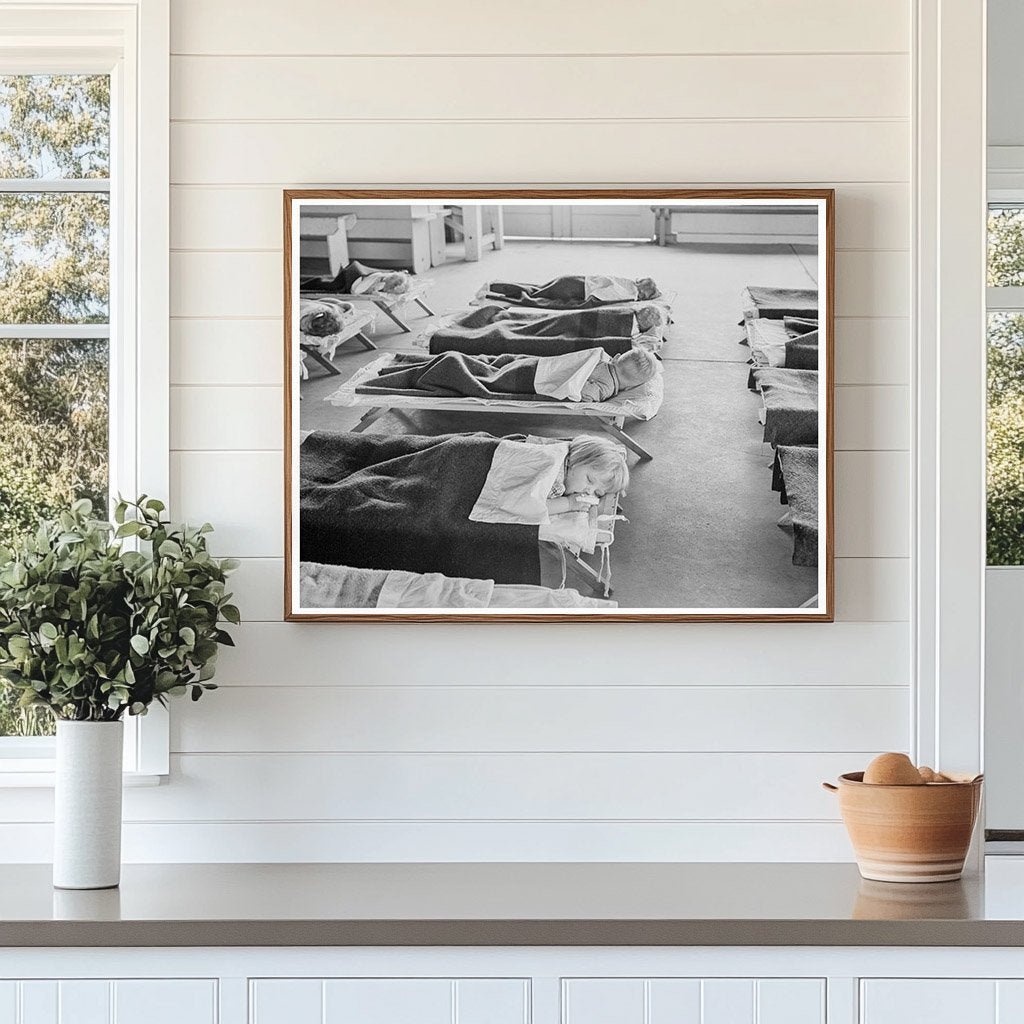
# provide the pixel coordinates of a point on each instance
(569, 406)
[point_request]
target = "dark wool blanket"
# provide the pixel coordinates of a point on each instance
(795, 476)
(607, 322)
(505, 336)
(381, 501)
(790, 405)
(569, 292)
(777, 303)
(456, 375)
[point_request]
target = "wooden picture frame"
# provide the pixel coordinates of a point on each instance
(666, 204)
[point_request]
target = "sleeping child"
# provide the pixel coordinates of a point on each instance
(594, 467)
(587, 376)
(359, 279)
(572, 291)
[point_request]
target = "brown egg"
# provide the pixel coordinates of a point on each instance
(892, 770)
(927, 774)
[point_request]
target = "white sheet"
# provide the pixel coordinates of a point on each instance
(563, 377)
(518, 483)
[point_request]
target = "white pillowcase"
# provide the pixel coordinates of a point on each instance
(518, 483)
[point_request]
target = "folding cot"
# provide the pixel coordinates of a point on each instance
(760, 301)
(321, 350)
(640, 403)
(789, 405)
(791, 342)
(795, 477)
(387, 302)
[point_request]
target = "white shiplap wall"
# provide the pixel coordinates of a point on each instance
(539, 742)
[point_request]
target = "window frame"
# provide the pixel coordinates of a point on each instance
(130, 41)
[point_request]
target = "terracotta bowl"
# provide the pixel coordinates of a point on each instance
(909, 833)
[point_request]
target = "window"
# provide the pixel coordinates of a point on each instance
(84, 123)
(54, 309)
(1005, 478)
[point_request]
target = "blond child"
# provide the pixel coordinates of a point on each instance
(595, 466)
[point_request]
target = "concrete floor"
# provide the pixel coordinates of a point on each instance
(702, 530)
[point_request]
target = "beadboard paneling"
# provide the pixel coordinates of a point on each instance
(468, 26)
(536, 87)
(748, 654)
(871, 216)
(566, 151)
(463, 841)
(526, 719)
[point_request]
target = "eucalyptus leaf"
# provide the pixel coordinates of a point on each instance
(93, 631)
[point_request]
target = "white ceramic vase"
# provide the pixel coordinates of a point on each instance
(87, 808)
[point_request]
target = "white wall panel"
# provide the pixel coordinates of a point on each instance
(868, 216)
(211, 352)
(428, 741)
(750, 654)
(568, 151)
(405, 26)
(933, 1000)
(451, 786)
(539, 718)
(321, 88)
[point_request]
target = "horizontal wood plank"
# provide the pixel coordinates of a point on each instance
(458, 842)
(538, 87)
(227, 352)
(729, 152)
(871, 216)
(442, 654)
(872, 504)
(416, 787)
(405, 719)
(407, 27)
(873, 350)
(872, 418)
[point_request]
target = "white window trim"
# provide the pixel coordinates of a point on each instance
(131, 40)
(949, 446)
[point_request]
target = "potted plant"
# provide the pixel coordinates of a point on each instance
(98, 620)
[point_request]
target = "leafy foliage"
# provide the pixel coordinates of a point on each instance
(91, 630)
(54, 268)
(1005, 482)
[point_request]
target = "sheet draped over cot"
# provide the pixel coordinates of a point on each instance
(790, 405)
(576, 291)
(403, 502)
(776, 303)
(341, 586)
(549, 336)
(791, 342)
(455, 374)
(795, 476)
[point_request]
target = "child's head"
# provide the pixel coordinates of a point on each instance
(633, 368)
(646, 288)
(596, 465)
(649, 317)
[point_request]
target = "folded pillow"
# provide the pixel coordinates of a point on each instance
(518, 483)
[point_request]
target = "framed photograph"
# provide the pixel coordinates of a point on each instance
(559, 405)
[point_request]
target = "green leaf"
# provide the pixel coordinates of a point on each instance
(140, 644)
(170, 549)
(48, 630)
(231, 613)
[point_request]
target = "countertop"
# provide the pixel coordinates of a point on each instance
(558, 904)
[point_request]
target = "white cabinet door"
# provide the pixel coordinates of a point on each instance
(102, 1001)
(942, 1001)
(388, 1001)
(693, 1001)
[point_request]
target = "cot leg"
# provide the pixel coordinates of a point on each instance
(365, 341)
(369, 418)
(386, 309)
(472, 225)
(426, 309)
(594, 581)
(321, 361)
(620, 435)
